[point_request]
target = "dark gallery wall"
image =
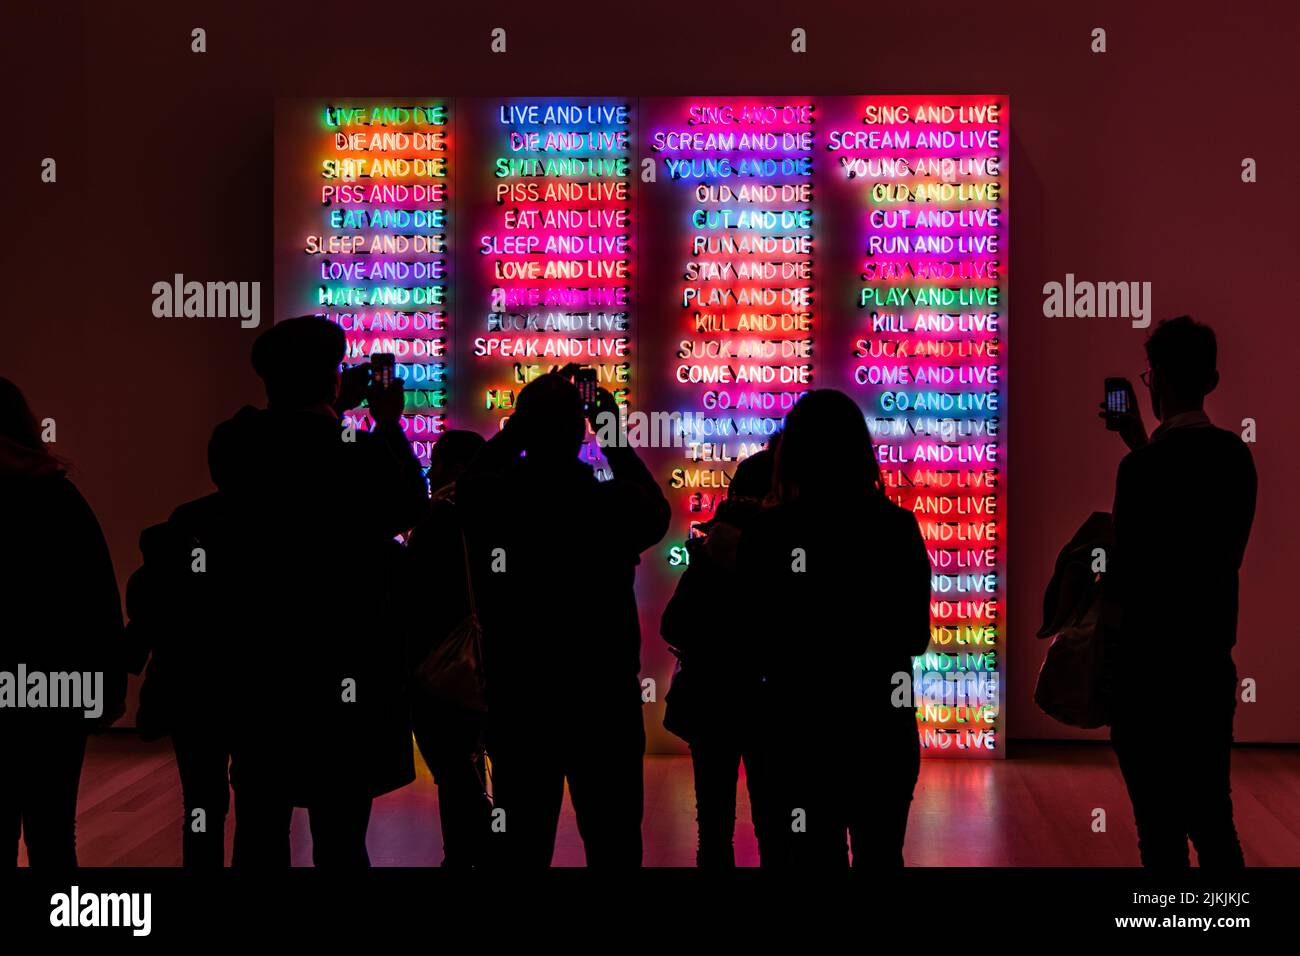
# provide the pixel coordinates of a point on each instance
(1126, 166)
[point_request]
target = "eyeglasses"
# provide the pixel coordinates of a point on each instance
(1146, 376)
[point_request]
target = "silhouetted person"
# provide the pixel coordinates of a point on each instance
(715, 695)
(63, 615)
(323, 717)
(175, 609)
(845, 585)
(450, 735)
(1184, 503)
(555, 554)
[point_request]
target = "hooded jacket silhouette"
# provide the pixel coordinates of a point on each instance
(57, 584)
(62, 615)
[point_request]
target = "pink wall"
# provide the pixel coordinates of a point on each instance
(1126, 167)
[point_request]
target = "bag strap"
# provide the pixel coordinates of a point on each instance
(473, 606)
(469, 577)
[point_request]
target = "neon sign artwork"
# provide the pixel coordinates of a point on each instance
(712, 258)
(925, 178)
(377, 242)
(742, 173)
(553, 240)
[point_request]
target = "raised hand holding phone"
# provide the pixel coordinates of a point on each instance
(383, 369)
(602, 403)
(1120, 412)
(353, 382)
(585, 379)
(386, 394)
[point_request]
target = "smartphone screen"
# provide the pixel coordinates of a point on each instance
(382, 368)
(585, 379)
(1117, 396)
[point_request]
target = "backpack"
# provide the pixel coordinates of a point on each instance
(173, 614)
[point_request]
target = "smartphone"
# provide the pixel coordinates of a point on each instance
(585, 379)
(383, 366)
(1119, 399)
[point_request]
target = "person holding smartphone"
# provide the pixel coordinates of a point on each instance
(554, 554)
(1184, 504)
(321, 717)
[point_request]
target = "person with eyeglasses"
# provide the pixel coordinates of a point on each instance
(1184, 504)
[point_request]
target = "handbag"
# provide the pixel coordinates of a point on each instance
(1070, 683)
(453, 671)
(1079, 617)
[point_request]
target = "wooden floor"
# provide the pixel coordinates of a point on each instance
(1035, 809)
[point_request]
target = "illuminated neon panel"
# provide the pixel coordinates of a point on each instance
(925, 179)
(374, 243)
(716, 256)
(549, 263)
(738, 173)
